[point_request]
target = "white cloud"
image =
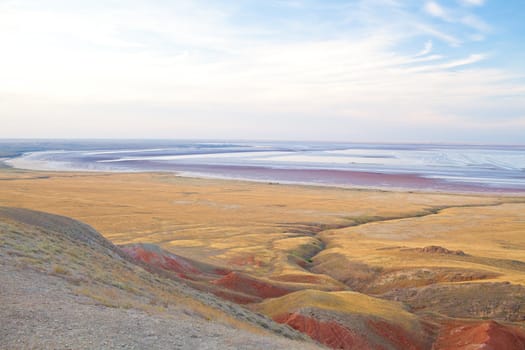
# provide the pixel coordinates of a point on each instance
(472, 2)
(449, 39)
(474, 58)
(426, 50)
(436, 10)
(475, 23)
(457, 16)
(471, 59)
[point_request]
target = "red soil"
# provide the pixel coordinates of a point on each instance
(235, 297)
(329, 333)
(300, 262)
(246, 260)
(159, 258)
(250, 286)
(488, 335)
(233, 286)
(311, 279)
(380, 335)
(219, 271)
(395, 335)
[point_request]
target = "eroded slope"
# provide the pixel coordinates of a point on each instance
(64, 286)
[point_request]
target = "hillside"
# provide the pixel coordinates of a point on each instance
(62, 285)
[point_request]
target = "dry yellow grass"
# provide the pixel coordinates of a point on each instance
(340, 302)
(493, 237)
(266, 229)
(321, 240)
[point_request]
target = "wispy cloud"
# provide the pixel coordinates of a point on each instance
(471, 59)
(426, 50)
(436, 10)
(474, 58)
(475, 23)
(472, 2)
(458, 16)
(190, 64)
(436, 33)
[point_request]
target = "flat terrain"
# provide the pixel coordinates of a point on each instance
(427, 253)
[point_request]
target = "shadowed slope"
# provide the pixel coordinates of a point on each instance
(52, 266)
(59, 225)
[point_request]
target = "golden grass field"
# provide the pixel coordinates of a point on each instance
(304, 237)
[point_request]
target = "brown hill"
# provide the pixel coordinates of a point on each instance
(62, 285)
(349, 320)
(480, 335)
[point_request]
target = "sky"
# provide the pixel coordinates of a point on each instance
(357, 71)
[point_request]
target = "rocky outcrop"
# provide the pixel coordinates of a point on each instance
(435, 249)
(480, 335)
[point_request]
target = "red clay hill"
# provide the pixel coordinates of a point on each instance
(369, 323)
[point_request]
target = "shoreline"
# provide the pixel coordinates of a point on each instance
(423, 168)
(362, 183)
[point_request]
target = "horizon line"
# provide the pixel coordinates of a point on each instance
(437, 143)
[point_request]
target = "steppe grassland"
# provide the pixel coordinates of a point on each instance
(493, 238)
(266, 229)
